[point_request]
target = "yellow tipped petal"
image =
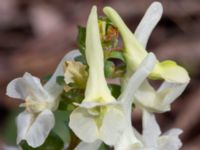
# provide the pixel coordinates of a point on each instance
(171, 72)
(96, 88)
(135, 53)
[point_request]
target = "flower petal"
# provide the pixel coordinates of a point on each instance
(113, 125)
(40, 128)
(137, 79)
(160, 100)
(171, 72)
(35, 88)
(51, 86)
(96, 88)
(26, 86)
(151, 100)
(128, 141)
(89, 146)
(174, 132)
(175, 91)
(83, 125)
(148, 23)
(170, 140)
(17, 89)
(151, 129)
(24, 121)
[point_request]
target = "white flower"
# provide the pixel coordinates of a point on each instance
(94, 119)
(176, 78)
(151, 137)
(35, 123)
(125, 102)
(146, 97)
(135, 52)
(100, 115)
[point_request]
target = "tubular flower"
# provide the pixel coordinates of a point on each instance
(100, 115)
(125, 104)
(135, 52)
(176, 77)
(150, 100)
(35, 123)
(96, 117)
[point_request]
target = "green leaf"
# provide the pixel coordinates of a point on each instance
(61, 126)
(81, 39)
(60, 80)
(115, 90)
(53, 142)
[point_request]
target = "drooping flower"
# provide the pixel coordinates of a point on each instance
(176, 77)
(35, 123)
(100, 116)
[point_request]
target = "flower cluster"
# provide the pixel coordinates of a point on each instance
(102, 82)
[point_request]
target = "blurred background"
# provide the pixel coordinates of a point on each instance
(34, 35)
